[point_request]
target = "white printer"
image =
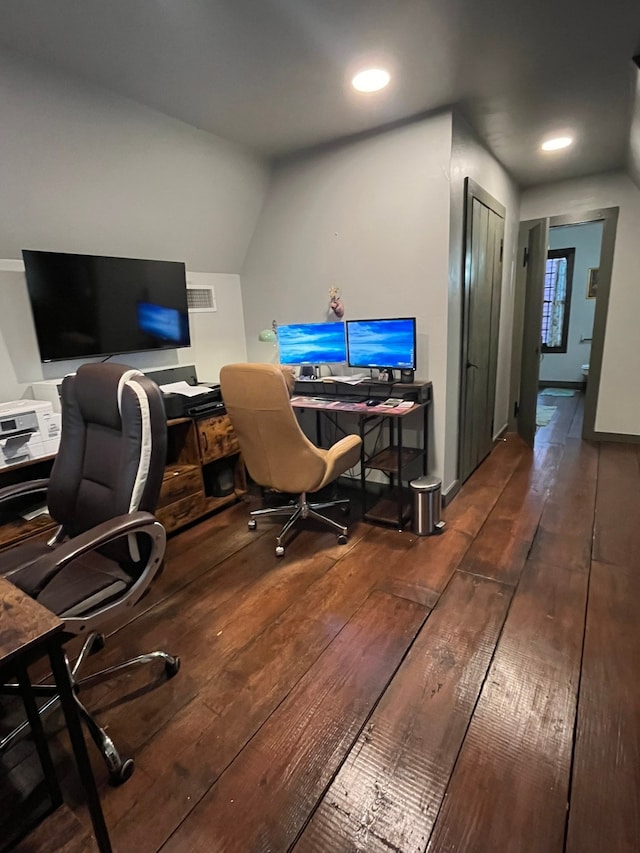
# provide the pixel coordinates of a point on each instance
(29, 429)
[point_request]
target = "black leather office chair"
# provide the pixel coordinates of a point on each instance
(103, 489)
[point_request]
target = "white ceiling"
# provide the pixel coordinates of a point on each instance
(273, 74)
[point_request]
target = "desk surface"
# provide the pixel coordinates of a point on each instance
(301, 402)
(23, 622)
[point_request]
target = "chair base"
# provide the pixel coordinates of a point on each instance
(302, 509)
(119, 769)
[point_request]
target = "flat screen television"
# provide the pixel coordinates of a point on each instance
(88, 305)
(312, 343)
(383, 344)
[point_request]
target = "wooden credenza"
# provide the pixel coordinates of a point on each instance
(204, 472)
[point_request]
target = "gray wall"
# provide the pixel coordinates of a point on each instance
(372, 218)
(586, 239)
(83, 170)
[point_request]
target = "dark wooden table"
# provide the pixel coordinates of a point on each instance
(28, 632)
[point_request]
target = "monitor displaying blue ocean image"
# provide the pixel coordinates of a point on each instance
(382, 343)
(312, 343)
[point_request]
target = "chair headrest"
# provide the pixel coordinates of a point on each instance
(98, 390)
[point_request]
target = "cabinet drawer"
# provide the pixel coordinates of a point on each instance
(216, 438)
(179, 482)
(181, 512)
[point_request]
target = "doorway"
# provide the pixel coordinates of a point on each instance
(569, 301)
(484, 241)
(533, 247)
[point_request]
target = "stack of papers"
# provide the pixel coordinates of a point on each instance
(185, 389)
(349, 380)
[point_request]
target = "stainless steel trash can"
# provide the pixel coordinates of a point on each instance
(427, 496)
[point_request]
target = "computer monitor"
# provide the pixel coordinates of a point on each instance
(312, 343)
(383, 344)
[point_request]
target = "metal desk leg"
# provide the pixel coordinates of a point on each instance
(37, 732)
(363, 479)
(72, 718)
(425, 439)
(399, 425)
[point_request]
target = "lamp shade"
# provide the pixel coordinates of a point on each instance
(267, 336)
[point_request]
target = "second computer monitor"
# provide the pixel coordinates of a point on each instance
(383, 344)
(312, 343)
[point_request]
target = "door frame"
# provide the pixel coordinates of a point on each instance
(472, 191)
(609, 217)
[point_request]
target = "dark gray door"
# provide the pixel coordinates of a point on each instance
(484, 237)
(535, 259)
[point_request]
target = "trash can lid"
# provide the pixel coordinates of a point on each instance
(426, 484)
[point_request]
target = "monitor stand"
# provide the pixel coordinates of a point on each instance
(386, 375)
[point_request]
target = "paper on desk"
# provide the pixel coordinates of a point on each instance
(185, 389)
(350, 380)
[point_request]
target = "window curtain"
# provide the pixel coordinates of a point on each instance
(558, 274)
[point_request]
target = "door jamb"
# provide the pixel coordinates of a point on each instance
(609, 217)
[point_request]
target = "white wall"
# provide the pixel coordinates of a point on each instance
(470, 159)
(83, 170)
(618, 398)
(586, 239)
(634, 134)
(372, 218)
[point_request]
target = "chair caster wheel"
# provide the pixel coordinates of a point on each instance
(124, 772)
(252, 524)
(279, 551)
(342, 539)
(172, 667)
(98, 644)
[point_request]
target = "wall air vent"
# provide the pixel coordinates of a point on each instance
(201, 298)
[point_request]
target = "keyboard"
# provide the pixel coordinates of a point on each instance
(343, 398)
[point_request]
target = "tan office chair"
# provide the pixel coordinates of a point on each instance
(276, 452)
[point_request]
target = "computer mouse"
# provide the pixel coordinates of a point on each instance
(372, 402)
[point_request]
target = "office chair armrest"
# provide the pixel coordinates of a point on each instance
(349, 442)
(341, 456)
(346, 447)
(29, 487)
(34, 578)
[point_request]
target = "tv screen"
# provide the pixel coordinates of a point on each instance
(87, 305)
(384, 344)
(312, 343)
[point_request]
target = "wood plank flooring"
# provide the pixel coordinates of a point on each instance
(475, 692)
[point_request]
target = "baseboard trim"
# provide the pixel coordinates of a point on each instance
(622, 437)
(554, 384)
(451, 492)
(500, 432)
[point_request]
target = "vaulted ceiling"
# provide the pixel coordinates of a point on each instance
(274, 75)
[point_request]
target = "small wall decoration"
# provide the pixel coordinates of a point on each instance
(592, 283)
(335, 302)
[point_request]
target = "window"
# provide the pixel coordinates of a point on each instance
(557, 299)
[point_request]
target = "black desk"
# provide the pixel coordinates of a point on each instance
(395, 458)
(28, 632)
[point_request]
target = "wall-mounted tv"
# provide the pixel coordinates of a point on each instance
(382, 343)
(312, 343)
(88, 305)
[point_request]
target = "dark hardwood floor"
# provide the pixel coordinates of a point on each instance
(475, 692)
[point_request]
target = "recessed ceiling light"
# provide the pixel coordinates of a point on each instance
(557, 143)
(371, 80)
